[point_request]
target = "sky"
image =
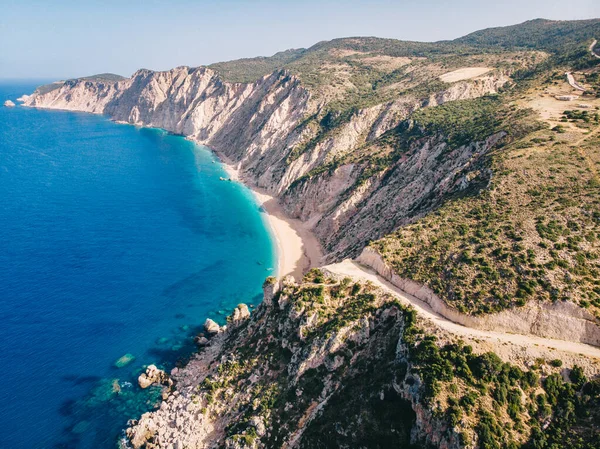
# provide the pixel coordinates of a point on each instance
(58, 39)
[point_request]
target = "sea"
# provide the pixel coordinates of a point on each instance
(116, 243)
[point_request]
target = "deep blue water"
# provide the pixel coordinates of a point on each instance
(113, 240)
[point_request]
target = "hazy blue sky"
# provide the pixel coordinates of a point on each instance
(61, 39)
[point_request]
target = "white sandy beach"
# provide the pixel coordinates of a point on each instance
(297, 248)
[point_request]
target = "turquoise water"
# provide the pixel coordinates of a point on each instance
(114, 240)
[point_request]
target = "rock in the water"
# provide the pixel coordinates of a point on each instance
(153, 375)
(125, 360)
(9, 104)
(211, 327)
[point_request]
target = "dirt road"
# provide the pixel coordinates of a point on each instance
(593, 44)
(574, 84)
(354, 270)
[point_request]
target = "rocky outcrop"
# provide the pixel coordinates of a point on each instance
(154, 376)
(336, 363)
(240, 314)
(346, 213)
(9, 104)
(211, 327)
(560, 320)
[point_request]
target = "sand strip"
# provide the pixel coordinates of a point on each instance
(298, 249)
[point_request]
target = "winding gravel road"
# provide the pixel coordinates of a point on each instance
(593, 44)
(573, 83)
(354, 270)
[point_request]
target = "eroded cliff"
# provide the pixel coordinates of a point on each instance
(278, 135)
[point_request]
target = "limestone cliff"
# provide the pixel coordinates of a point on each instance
(259, 127)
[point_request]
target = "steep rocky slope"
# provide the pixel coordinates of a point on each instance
(310, 125)
(333, 363)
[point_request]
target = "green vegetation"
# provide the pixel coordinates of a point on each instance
(474, 396)
(539, 34)
(280, 401)
(508, 407)
(463, 122)
(354, 73)
(585, 116)
(250, 69)
(106, 77)
(534, 234)
(103, 77)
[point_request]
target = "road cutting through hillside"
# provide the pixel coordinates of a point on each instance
(593, 44)
(574, 84)
(354, 270)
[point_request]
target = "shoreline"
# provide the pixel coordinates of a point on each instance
(298, 250)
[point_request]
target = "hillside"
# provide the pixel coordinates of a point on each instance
(531, 233)
(364, 71)
(540, 34)
(333, 363)
(464, 173)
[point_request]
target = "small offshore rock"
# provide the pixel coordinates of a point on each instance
(124, 360)
(9, 104)
(211, 327)
(241, 313)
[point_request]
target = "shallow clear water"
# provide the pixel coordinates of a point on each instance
(114, 240)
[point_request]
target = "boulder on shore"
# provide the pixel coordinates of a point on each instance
(240, 314)
(153, 375)
(211, 327)
(201, 340)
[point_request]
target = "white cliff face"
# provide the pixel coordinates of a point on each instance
(74, 95)
(256, 126)
(346, 213)
(559, 320)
